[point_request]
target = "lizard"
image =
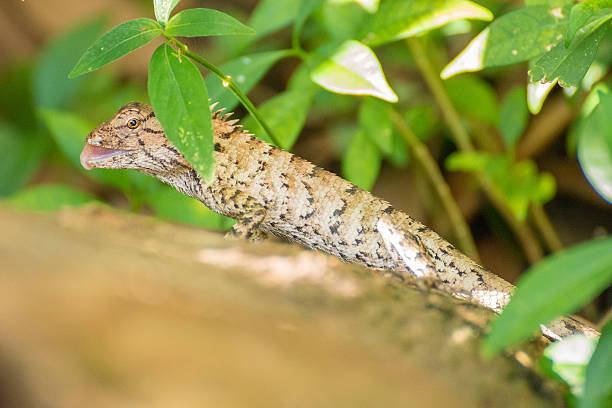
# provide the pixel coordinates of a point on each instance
(269, 190)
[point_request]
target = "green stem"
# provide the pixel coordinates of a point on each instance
(226, 79)
(530, 245)
(542, 222)
(432, 170)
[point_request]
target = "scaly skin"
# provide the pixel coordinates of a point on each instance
(267, 189)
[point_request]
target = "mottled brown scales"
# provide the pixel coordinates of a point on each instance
(267, 189)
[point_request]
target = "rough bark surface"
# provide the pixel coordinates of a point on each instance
(100, 308)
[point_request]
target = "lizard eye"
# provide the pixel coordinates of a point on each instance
(133, 123)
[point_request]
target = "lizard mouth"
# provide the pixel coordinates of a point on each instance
(93, 153)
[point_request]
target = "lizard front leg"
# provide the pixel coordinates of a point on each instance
(245, 209)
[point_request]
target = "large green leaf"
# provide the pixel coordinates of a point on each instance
(396, 19)
(594, 146)
(180, 101)
(49, 197)
(285, 114)
(598, 386)
(568, 65)
(116, 43)
(353, 69)
(513, 116)
(51, 87)
(163, 8)
(245, 71)
(170, 204)
(558, 285)
(514, 37)
(200, 22)
(361, 163)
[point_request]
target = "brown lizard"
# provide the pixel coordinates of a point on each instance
(267, 189)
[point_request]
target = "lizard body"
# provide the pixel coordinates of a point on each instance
(268, 189)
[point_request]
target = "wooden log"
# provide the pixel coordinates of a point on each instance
(101, 308)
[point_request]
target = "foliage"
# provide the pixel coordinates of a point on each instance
(339, 49)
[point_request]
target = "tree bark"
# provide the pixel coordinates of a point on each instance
(101, 308)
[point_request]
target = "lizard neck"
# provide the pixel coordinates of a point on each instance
(185, 179)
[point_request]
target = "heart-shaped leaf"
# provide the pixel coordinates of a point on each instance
(353, 69)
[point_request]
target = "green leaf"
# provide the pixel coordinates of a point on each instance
(375, 123)
(116, 43)
(245, 71)
(304, 11)
(400, 153)
(598, 386)
(50, 84)
(353, 69)
(361, 163)
(474, 97)
(371, 6)
(397, 19)
(422, 121)
(272, 15)
(180, 101)
(550, 3)
(558, 285)
(343, 20)
(514, 37)
(594, 147)
(568, 65)
(513, 116)
(170, 204)
(49, 197)
(285, 114)
(69, 132)
(201, 22)
(581, 13)
(21, 157)
(519, 182)
(163, 8)
(568, 359)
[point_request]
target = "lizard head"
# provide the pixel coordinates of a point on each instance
(132, 139)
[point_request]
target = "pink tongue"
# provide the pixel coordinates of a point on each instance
(95, 153)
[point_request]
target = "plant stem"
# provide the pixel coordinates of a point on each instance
(427, 162)
(530, 245)
(226, 80)
(542, 222)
